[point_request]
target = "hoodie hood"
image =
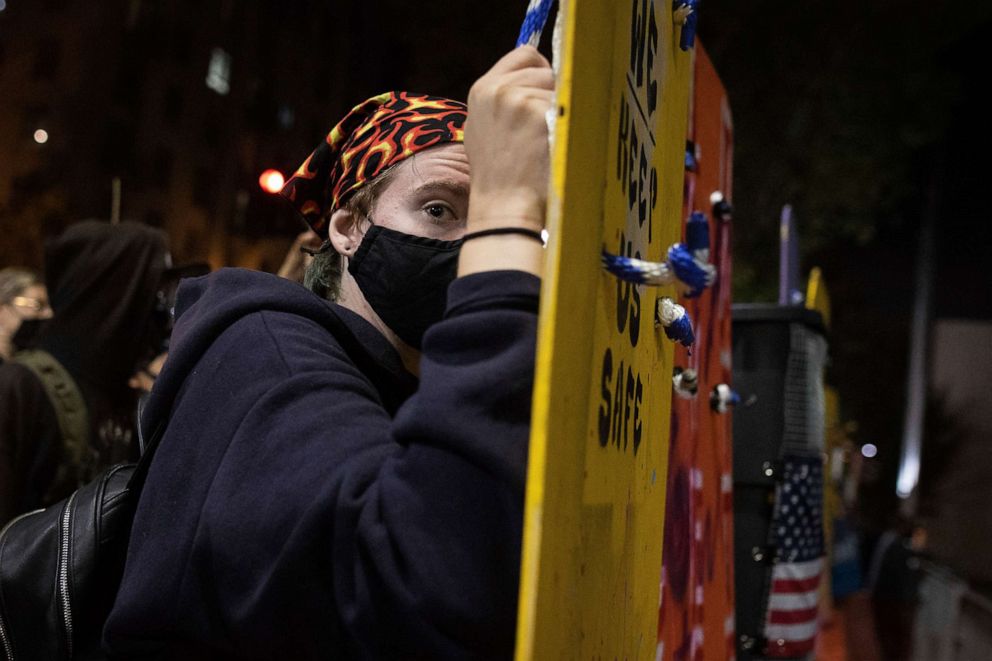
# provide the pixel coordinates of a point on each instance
(102, 282)
(208, 305)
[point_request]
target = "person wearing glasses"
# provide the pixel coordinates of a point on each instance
(103, 282)
(23, 298)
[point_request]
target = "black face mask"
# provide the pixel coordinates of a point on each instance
(405, 279)
(27, 333)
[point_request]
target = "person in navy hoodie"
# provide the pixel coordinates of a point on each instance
(345, 479)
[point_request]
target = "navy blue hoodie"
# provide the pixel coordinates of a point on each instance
(309, 499)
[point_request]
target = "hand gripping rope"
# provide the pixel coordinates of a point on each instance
(530, 35)
(684, 13)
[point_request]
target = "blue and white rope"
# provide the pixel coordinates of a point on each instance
(723, 397)
(675, 320)
(685, 383)
(691, 270)
(638, 271)
(697, 236)
(691, 165)
(534, 20)
(687, 264)
(722, 210)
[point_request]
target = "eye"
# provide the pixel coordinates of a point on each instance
(439, 212)
(435, 210)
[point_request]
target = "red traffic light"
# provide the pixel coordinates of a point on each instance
(271, 181)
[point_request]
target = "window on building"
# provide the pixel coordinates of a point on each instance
(219, 71)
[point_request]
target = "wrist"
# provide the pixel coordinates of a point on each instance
(511, 209)
(502, 252)
(505, 230)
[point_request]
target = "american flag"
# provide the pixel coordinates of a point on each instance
(797, 535)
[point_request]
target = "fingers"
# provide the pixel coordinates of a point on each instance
(520, 58)
(538, 77)
(506, 139)
(520, 69)
(511, 87)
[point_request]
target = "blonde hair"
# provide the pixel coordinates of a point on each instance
(13, 282)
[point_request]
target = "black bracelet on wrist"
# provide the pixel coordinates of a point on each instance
(534, 234)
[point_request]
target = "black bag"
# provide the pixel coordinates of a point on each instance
(60, 567)
(78, 462)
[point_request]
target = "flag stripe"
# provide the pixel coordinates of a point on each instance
(792, 617)
(794, 602)
(798, 570)
(796, 585)
(791, 632)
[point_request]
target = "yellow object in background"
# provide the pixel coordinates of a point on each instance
(602, 398)
(817, 297)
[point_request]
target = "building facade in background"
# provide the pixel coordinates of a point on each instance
(187, 103)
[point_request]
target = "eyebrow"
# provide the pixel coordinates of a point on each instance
(444, 185)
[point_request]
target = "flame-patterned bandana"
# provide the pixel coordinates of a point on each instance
(376, 134)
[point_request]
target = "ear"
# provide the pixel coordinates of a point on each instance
(6, 316)
(344, 232)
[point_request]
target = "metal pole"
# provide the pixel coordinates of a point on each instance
(115, 200)
(916, 382)
(788, 259)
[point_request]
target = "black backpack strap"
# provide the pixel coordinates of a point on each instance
(71, 413)
(137, 479)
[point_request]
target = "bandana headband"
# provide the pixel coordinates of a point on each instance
(375, 135)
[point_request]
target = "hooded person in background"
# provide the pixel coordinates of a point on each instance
(23, 304)
(103, 282)
(345, 480)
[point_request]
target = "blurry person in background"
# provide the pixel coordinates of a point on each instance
(144, 379)
(22, 299)
(66, 409)
(163, 318)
